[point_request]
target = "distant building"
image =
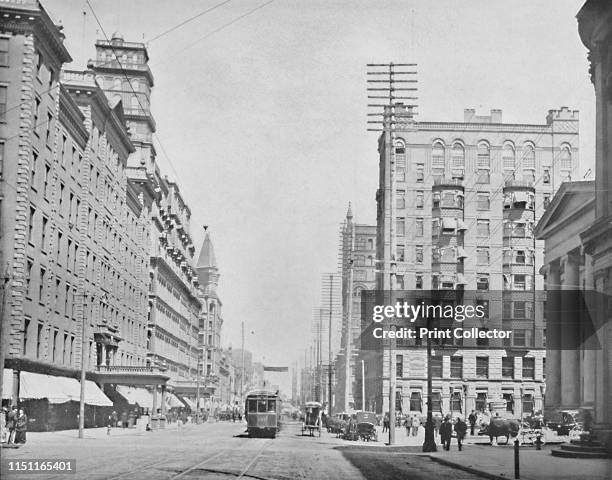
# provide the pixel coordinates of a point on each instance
(357, 256)
(457, 206)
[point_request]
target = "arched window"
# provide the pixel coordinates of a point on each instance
(529, 156)
(458, 156)
(565, 157)
(437, 154)
(134, 102)
(117, 84)
(484, 155)
(135, 84)
(509, 157)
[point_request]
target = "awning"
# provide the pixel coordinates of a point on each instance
(134, 395)
(449, 223)
(189, 403)
(172, 401)
(60, 389)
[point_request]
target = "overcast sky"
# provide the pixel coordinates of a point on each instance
(264, 121)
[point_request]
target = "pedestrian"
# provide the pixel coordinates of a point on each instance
(460, 430)
(11, 423)
(472, 420)
(437, 421)
(416, 423)
(21, 427)
(386, 423)
(3, 428)
(124, 419)
(446, 433)
(407, 424)
(114, 419)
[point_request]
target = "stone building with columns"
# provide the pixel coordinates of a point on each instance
(457, 206)
(578, 236)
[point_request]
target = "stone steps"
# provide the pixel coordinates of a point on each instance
(581, 449)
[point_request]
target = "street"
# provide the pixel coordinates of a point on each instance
(219, 451)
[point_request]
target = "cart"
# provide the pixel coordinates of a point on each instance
(312, 418)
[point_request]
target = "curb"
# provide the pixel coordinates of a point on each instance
(468, 469)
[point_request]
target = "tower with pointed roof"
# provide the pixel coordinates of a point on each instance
(206, 267)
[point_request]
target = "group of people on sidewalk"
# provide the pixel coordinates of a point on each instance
(13, 425)
(446, 432)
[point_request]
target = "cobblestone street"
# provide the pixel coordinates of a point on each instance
(220, 450)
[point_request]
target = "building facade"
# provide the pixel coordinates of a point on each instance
(457, 206)
(578, 236)
(357, 258)
(72, 227)
(174, 306)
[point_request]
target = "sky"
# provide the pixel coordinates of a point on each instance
(264, 120)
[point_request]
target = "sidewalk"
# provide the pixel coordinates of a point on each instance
(498, 463)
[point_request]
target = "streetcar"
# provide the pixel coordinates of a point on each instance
(262, 411)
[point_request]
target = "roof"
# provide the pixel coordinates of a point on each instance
(207, 257)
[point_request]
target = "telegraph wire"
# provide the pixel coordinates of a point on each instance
(187, 21)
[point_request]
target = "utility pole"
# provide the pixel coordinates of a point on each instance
(329, 352)
(384, 83)
(242, 374)
(349, 320)
(4, 323)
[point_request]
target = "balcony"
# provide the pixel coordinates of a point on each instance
(448, 182)
(512, 184)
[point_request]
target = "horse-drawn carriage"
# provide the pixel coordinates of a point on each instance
(366, 426)
(312, 418)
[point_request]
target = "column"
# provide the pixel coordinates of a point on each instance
(553, 337)
(589, 360)
(163, 400)
(154, 409)
(103, 347)
(570, 358)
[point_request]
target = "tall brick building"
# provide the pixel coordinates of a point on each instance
(457, 206)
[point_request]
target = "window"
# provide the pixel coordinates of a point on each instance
(565, 158)
(481, 401)
(437, 155)
(400, 199)
(399, 281)
(527, 403)
(529, 157)
(419, 199)
(39, 339)
(1, 158)
(420, 173)
(482, 228)
(436, 366)
(49, 120)
(546, 176)
(419, 282)
(519, 337)
(436, 200)
(455, 402)
(483, 202)
(482, 256)
(31, 224)
(482, 282)
(43, 240)
(54, 346)
(4, 52)
(456, 367)
(435, 227)
(520, 282)
(436, 402)
(509, 399)
(519, 310)
(46, 180)
(416, 405)
(508, 367)
(528, 367)
(419, 227)
(400, 252)
(482, 367)
(483, 177)
(458, 156)
(482, 342)
(3, 101)
(546, 199)
(399, 366)
(529, 176)
(484, 304)
(483, 156)
(418, 254)
(508, 157)
(400, 226)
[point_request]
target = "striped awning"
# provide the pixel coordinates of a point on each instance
(134, 395)
(33, 386)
